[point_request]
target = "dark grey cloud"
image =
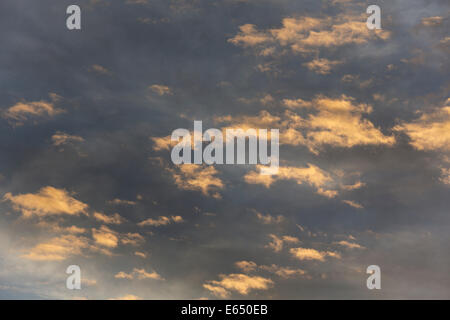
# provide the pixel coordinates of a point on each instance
(184, 45)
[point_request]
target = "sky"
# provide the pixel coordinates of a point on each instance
(86, 176)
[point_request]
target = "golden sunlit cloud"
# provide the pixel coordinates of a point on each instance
(161, 89)
(59, 248)
(133, 239)
(62, 138)
(355, 186)
(123, 275)
(353, 204)
(431, 132)
(269, 219)
(143, 255)
(336, 122)
(105, 237)
(217, 291)
(277, 243)
(161, 143)
(350, 245)
(56, 228)
(23, 111)
(322, 66)
(240, 283)
(284, 272)
(312, 254)
(48, 201)
(140, 274)
(445, 176)
(161, 221)
(307, 35)
(112, 219)
(198, 178)
(246, 266)
(339, 123)
(312, 175)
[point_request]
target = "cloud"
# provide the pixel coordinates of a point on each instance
(312, 254)
(322, 66)
(311, 175)
(99, 69)
(355, 186)
(142, 255)
(61, 138)
(161, 221)
(284, 272)
(297, 103)
(320, 122)
(277, 243)
(432, 21)
(268, 219)
(263, 120)
(356, 81)
(308, 34)
(88, 282)
(353, 204)
(105, 237)
(198, 178)
(339, 123)
(445, 176)
(290, 239)
(113, 219)
(59, 248)
(246, 266)
(350, 245)
(249, 36)
(240, 283)
(48, 201)
(140, 274)
(122, 202)
(123, 275)
(217, 291)
(56, 228)
(161, 89)
(23, 111)
(70, 244)
(430, 132)
(161, 143)
(131, 238)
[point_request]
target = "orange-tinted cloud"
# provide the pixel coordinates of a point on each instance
(105, 237)
(312, 254)
(430, 132)
(240, 283)
(161, 221)
(48, 201)
(311, 175)
(23, 111)
(108, 219)
(59, 248)
(198, 178)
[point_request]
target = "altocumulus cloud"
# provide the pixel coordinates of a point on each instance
(47, 201)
